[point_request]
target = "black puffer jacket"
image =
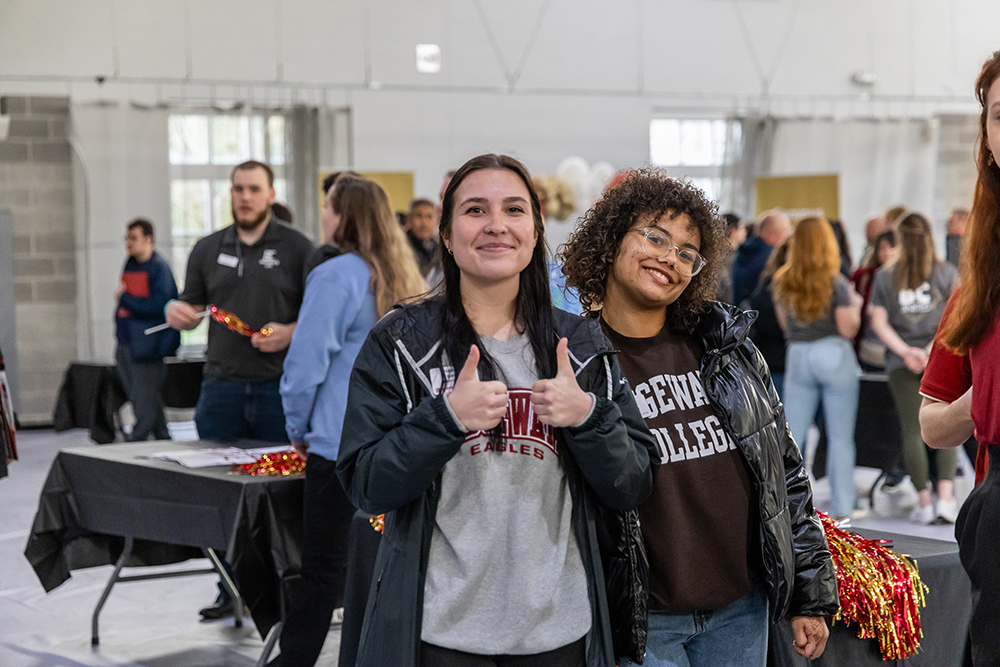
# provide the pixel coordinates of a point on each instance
(799, 570)
(398, 436)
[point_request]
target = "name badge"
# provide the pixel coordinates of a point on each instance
(228, 260)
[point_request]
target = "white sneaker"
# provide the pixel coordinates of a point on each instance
(947, 510)
(923, 515)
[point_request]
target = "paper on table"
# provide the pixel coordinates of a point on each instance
(218, 456)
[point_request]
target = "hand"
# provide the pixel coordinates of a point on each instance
(856, 299)
(479, 406)
(560, 401)
(810, 634)
(279, 338)
(182, 315)
(915, 359)
(302, 449)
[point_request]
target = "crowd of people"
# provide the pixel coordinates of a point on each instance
(423, 372)
(822, 322)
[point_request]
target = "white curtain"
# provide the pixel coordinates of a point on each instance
(320, 142)
(880, 163)
(749, 143)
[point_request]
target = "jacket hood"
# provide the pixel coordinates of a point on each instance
(415, 332)
(723, 327)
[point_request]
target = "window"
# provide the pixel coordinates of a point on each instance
(694, 148)
(204, 148)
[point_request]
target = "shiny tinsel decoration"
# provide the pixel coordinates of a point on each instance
(879, 590)
(233, 323)
(279, 463)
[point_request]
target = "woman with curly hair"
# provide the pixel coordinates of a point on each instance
(730, 530)
(962, 372)
(821, 314)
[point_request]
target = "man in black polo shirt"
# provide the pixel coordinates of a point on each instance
(254, 270)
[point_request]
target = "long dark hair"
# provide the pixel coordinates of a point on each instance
(533, 304)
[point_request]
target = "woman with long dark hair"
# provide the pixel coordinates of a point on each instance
(821, 316)
(344, 298)
(486, 425)
(732, 537)
(907, 303)
(958, 385)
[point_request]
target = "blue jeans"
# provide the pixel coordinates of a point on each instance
(734, 636)
(826, 368)
(231, 410)
(778, 380)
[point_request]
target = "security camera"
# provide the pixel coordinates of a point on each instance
(100, 80)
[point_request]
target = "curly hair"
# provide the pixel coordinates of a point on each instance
(591, 250)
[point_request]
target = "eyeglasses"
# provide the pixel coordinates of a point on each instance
(658, 245)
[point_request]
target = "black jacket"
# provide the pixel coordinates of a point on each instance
(798, 567)
(751, 258)
(399, 435)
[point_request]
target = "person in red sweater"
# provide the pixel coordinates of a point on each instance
(958, 397)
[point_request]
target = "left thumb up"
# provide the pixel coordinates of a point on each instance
(564, 368)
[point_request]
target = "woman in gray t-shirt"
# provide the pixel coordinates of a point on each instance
(820, 315)
(907, 303)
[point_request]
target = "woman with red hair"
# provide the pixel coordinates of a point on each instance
(962, 375)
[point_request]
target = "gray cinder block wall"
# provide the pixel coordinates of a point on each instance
(36, 186)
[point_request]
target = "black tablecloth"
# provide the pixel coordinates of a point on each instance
(95, 496)
(945, 619)
(91, 395)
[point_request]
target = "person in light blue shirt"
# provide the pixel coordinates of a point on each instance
(344, 298)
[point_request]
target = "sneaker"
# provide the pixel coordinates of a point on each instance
(947, 510)
(923, 515)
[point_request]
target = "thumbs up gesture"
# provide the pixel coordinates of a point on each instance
(560, 401)
(478, 405)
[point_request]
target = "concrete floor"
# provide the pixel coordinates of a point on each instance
(155, 623)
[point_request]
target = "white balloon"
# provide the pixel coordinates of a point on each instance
(575, 171)
(601, 172)
(600, 175)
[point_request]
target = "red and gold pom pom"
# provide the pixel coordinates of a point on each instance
(879, 590)
(378, 523)
(279, 463)
(233, 323)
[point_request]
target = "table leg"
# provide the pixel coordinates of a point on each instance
(272, 638)
(126, 552)
(228, 584)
